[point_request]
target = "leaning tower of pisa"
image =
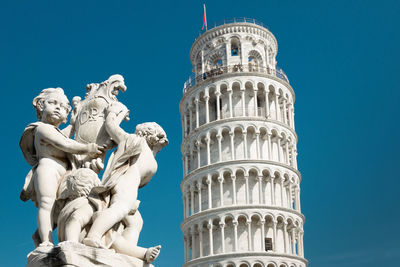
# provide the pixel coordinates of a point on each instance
(241, 186)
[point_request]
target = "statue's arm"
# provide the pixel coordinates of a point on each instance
(50, 135)
(112, 126)
(68, 131)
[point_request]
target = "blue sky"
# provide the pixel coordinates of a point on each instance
(341, 58)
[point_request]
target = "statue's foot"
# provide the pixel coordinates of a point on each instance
(46, 244)
(152, 254)
(93, 242)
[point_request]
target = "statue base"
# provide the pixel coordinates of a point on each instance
(72, 254)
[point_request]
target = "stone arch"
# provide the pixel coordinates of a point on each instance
(256, 61)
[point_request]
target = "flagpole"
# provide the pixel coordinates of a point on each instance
(205, 16)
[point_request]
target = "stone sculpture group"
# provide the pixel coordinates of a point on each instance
(88, 213)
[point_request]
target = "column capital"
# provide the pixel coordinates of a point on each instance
(208, 180)
(192, 188)
(220, 179)
(248, 221)
(199, 186)
(235, 223)
(219, 137)
(217, 93)
(233, 177)
(231, 134)
(209, 226)
(206, 97)
(222, 225)
(262, 222)
(196, 101)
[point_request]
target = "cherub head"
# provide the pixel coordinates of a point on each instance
(52, 106)
(153, 133)
(80, 182)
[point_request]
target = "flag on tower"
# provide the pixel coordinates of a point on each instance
(204, 18)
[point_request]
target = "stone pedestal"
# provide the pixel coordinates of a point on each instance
(71, 254)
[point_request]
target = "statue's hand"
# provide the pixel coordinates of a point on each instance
(94, 150)
(96, 165)
(120, 111)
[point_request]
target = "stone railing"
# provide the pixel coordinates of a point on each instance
(238, 68)
(230, 21)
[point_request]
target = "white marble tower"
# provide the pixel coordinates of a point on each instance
(241, 186)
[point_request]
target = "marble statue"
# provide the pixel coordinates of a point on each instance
(100, 216)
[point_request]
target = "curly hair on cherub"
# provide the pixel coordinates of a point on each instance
(80, 182)
(44, 94)
(153, 133)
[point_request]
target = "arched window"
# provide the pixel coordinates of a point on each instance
(235, 46)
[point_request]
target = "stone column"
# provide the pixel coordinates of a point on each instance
(233, 177)
(221, 190)
(272, 190)
(282, 189)
(301, 246)
(277, 108)
(243, 103)
(285, 237)
(230, 104)
(185, 245)
(184, 206)
(287, 151)
(187, 205)
(206, 99)
(186, 164)
(218, 94)
(262, 223)
(284, 111)
(278, 140)
(258, 144)
(199, 186)
(255, 103)
(210, 236)
(269, 146)
(207, 139)
(245, 144)
(267, 113)
(249, 239)
(231, 134)
(192, 199)
(293, 242)
(222, 227)
(274, 223)
(192, 232)
(190, 118)
(196, 102)
(198, 150)
(295, 159)
(235, 235)
(293, 118)
(246, 177)
(289, 114)
(290, 196)
(201, 241)
(184, 125)
(297, 196)
(260, 194)
(219, 138)
(208, 181)
(191, 165)
(292, 152)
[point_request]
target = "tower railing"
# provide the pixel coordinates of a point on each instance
(238, 68)
(230, 21)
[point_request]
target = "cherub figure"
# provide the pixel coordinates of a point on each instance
(48, 150)
(130, 167)
(82, 203)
